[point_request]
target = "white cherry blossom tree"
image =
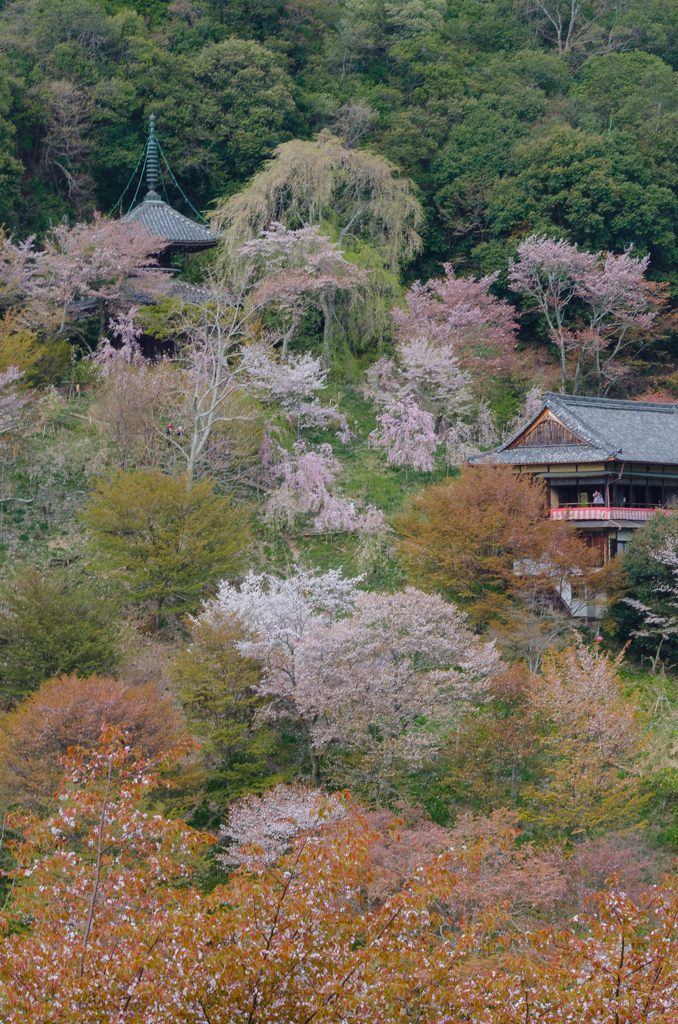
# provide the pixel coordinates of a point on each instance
(261, 829)
(371, 671)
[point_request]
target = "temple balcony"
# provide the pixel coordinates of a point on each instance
(589, 513)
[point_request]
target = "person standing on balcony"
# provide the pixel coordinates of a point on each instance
(598, 499)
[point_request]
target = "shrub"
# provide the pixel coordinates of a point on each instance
(47, 628)
(169, 543)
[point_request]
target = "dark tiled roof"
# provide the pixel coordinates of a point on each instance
(161, 220)
(155, 284)
(612, 429)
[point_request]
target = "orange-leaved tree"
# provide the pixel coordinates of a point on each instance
(468, 535)
(103, 926)
(68, 712)
(96, 890)
(618, 965)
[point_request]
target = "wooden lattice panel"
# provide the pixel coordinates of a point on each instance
(547, 431)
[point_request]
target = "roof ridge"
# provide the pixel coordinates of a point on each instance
(611, 403)
(579, 428)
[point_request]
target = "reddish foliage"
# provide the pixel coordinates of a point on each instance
(489, 869)
(624, 859)
(68, 712)
(660, 395)
(103, 925)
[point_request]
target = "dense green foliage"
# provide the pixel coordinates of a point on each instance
(47, 629)
(647, 581)
(218, 690)
(503, 131)
(169, 544)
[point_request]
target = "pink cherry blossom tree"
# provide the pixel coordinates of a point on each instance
(22, 268)
(297, 269)
(308, 488)
(286, 383)
(291, 385)
(429, 376)
(277, 614)
(598, 307)
(95, 261)
(388, 679)
(81, 271)
(306, 477)
(110, 358)
(620, 317)
(339, 515)
(407, 435)
(550, 273)
(460, 313)
(425, 372)
(432, 376)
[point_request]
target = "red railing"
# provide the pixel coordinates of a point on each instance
(591, 512)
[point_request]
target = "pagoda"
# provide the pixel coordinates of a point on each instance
(181, 234)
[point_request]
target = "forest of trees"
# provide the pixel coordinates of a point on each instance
(287, 732)
(505, 120)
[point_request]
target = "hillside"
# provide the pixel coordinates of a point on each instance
(500, 129)
(338, 546)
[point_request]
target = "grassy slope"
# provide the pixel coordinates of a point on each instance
(365, 477)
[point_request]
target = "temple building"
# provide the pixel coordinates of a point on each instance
(181, 234)
(610, 465)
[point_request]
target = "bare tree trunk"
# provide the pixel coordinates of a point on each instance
(209, 378)
(579, 372)
(315, 758)
(327, 303)
(102, 318)
(563, 360)
(97, 876)
(287, 337)
(315, 766)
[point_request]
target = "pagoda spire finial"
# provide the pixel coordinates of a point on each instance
(152, 162)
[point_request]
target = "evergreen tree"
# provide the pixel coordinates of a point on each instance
(48, 629)
(169, 544)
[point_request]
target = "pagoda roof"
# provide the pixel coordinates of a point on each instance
(180, 232)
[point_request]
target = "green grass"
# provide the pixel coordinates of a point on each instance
(363, 476)
(55, 465)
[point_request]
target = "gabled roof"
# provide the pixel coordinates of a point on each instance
(606, 428)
